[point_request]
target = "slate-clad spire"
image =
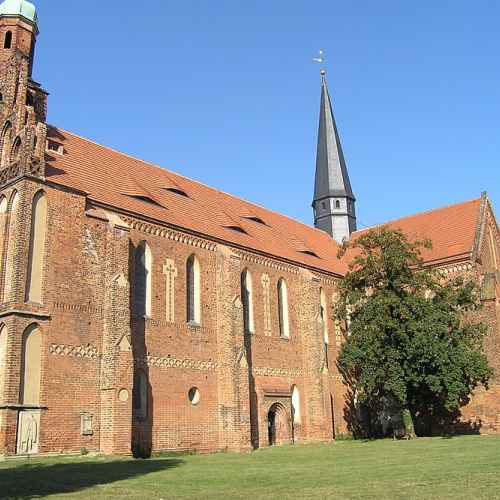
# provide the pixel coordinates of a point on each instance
(334, 201)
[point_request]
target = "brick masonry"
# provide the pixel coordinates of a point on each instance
(93, 341)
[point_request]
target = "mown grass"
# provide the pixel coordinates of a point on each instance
(459, 468)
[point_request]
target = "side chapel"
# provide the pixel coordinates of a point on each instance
(141, 310)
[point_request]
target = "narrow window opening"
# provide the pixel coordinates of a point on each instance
(247, 300)
(193, 290)
(145, 199)
(55, 147)
(309, 252)
(237, 229)
(337, 204)
(283, 309)
(16, 151)
(255, 219)
(180, 192)
(143, 264)
(8, 40)
(296, 405)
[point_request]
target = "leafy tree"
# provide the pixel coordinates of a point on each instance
(413, 341)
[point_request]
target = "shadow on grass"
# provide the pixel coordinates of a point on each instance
(39, 480)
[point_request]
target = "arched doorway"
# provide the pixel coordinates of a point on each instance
(279, 425)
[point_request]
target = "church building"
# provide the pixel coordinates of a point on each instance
(141, 310)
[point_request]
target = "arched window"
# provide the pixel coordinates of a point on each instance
(31, 364)
(140, 395)
(193, 290)
(3, 360)
(36, 256)
(5, 144)
(337, 204)
(10, 246)
(143, 267)
(16, 151)
(283, 309)
(324, 314)
(7, 44)
(295, 405)
(247, 299)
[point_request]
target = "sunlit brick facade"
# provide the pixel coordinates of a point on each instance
(143, 311)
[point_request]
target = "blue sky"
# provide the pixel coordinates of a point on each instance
(226, 93)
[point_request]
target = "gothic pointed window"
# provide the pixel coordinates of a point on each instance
(143, 267)
(36, 256)
(247, 300)
(283, 309)
(16, 151)
(324, 315)
(31, 366)
(7, 44)
(5, 145)
(193, 290)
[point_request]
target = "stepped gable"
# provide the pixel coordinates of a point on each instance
(137, 187)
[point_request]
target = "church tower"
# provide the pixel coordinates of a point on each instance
(334, 202)
(23, 102)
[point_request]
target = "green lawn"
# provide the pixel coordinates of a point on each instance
(458, 468)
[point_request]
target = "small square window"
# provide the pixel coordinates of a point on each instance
(55, 147)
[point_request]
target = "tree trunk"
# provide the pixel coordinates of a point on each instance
(408, 424)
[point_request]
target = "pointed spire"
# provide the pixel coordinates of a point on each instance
(332, 178)
(333, 197)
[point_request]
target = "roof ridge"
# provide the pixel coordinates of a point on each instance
(416, 214)
(189, 179)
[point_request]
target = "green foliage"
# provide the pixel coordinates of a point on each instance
(411, 339)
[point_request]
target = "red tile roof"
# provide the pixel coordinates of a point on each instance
(137, 187)
(118, 180)
(451, 229)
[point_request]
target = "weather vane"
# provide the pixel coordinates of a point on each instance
(320, 59)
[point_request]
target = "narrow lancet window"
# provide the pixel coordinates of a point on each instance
(283, 309)
(6, 141)
(193, 290)
(295, 405)
(247, 300)
(16, 151)
(8, 40)
(143, 266)
(36, 256)
(324, 315)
